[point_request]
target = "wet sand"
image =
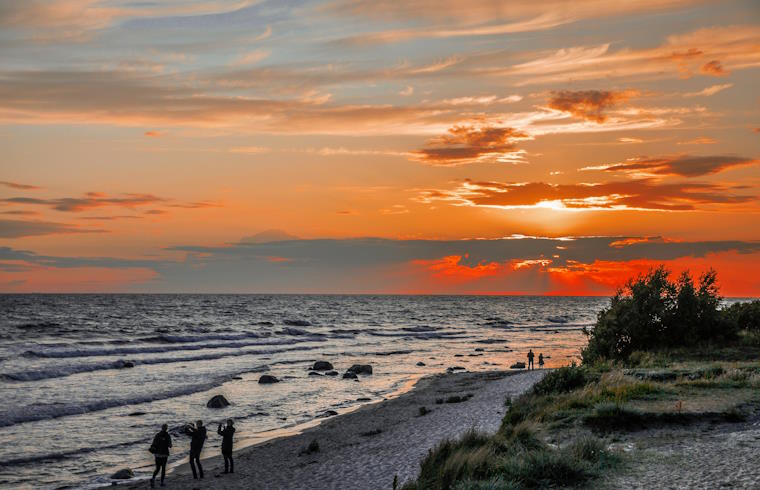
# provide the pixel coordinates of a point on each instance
(367, 447)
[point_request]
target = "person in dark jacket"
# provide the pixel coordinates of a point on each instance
(198, 437)
(530, 359)
(160, 449)
(226, 433)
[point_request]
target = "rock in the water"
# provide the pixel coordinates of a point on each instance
(327, 413)
(517, 365)
(322, 366)
(331, 373)
(314, 373)
(458, 355)
(420, 363)
(350, 375)
(136, 414)
(455, 368)
(479, 349)
(123, 474)
(266, 379)
(125, 364)
(217, 401)
(297, 323)
(360, 369)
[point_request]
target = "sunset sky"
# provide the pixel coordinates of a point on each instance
(377, 146)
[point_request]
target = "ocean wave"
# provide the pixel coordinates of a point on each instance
(34, 413)
(297, 332)
(297, 323)
(182, 339)
(152, 349)
(558, 319)
(63, 371)
(64, 454)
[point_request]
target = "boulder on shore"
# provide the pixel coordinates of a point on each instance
(322, 366)
(360, 369)
(217, 401)
(314, 373)
(517, 365)
(331, 373)
(350, 375)
(420, 363)
(267, 379)
(123, 474)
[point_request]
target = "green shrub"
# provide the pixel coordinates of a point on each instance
(745, 316)
(653, 312)
(562, 380)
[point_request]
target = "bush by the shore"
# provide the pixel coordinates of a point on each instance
(653, 312)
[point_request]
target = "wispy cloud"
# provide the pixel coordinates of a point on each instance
(21, 228)
(16, 185)
(709, 91)
(680, 165)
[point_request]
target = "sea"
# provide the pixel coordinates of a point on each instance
(87, 380)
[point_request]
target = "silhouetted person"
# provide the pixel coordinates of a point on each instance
(541, 360)
(198, 434)
(226, 433)
(530, 359)
(160, 449)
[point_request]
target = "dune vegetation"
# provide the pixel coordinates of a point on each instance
(663, 353)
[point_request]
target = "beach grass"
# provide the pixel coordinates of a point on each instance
(559, 433)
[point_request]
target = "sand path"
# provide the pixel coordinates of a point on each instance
(349, 460)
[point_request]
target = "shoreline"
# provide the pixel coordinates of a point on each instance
(367, 445)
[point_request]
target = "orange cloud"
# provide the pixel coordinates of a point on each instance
(89, 201)
(641, 194)
(573, 278)
(471, 144)
(16, 185)
(700, 140)
(588, 104)
(153, 134)
(714, 68)
(451, 269)
(681, 165)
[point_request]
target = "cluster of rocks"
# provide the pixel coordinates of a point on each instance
(329, 370)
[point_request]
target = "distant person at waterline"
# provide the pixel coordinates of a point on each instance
(226, 433)
(160, 449)
(530, 360)
(541, 360)
(198, 437)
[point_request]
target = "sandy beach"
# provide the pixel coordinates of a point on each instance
(367, 447)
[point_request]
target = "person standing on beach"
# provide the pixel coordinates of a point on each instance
(160, 449)
(226, 433)
(541, 360)
(530, 360)
(198, 434)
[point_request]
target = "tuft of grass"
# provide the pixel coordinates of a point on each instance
(562, 380)
(512, 458)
